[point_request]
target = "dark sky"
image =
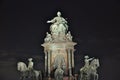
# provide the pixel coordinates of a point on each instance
(94, 25)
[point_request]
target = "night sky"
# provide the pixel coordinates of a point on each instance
(95, 26)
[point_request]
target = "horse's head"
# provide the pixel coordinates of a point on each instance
(21, 66)
(94, 63)
(97, 61)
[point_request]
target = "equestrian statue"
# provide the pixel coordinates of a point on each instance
(89, 70)
(28, 72)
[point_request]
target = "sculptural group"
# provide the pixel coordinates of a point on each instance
(58, 30)
(89, 70)
(59, 26)
(59, 48)
(28, 72)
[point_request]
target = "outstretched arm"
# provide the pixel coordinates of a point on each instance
(91, 59)
(51, 21)
(64, 20)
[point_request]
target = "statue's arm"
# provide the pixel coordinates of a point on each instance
(51, 21)
(64, 20)
(91, 59)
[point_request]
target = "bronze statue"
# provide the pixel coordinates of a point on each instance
(59, 25)
(58, 73)
(25, 71)
(89, 69)
(30, 67)
(69, 36)
(48, 37)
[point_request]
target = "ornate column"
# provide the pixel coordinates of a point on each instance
(69, 62)
(72, 53)
(46, 62)
(49, 52)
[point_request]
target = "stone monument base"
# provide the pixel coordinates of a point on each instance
(64, 78)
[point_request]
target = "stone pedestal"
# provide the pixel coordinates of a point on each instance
(54, 51)
(59, 48)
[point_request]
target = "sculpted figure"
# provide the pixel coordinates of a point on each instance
(85, 69)
(59, 25)
(87, 61)
(89, 70)
(24, 70)
(48, 37)
(69, 36)
(30, 66)
(58, 73)
(59, 61)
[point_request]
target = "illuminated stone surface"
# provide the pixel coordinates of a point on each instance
(59, 48)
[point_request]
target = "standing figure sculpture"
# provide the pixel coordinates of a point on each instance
(58, 73)
(59, 25)
(89, 69)
(59, 61)
(30, 67)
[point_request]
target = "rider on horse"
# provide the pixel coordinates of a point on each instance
(87, 63)
(30, 66)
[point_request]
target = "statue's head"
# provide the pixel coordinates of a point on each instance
(58, 66)
(86, 57)
(58, 13)
(69, 32)
(30, 59)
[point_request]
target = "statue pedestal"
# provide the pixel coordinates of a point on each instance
(61, 53)
(59, 49)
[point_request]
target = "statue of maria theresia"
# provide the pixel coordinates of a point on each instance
(59, 25)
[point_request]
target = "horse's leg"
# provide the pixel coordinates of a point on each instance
(36, 78)
(23, 78)
(96, 76)
(81, 76)
(86, 76)
(40, 74)
(21, 75)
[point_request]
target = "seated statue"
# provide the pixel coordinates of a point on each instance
(69, 36)
(48, 38)
(59, 25)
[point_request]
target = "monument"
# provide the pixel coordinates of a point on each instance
(28, 72)
(59, 48)
(89, 70)
(59, 57)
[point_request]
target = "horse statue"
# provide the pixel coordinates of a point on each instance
(86, 73)
(36, 75)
